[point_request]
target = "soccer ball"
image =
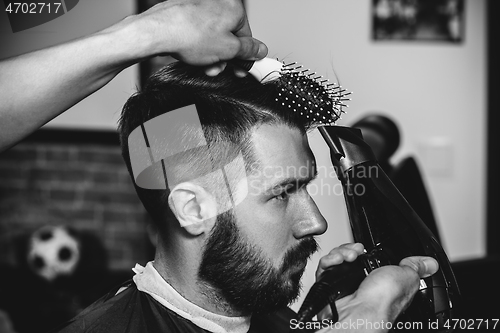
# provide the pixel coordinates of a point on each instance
(53, 252)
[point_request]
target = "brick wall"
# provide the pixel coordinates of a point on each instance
(72, 178)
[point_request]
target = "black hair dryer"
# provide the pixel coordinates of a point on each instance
(383, 221)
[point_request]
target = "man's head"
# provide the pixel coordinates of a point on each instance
(255, 251)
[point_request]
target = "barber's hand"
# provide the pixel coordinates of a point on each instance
(345, 252)
(198, 32)
(385, 293)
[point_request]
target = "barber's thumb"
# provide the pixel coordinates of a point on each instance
(251, 49)
(424, 266)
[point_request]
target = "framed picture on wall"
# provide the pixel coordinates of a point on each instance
(424, 20)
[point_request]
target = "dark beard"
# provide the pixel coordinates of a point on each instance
(243, 277)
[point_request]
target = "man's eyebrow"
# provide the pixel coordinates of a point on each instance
(298, 182)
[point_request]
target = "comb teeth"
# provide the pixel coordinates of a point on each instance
(311, 96)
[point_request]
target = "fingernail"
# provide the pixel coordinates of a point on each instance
(212, 71)
(262, 51)
(240, 72)
(431, 265)
(216, 69)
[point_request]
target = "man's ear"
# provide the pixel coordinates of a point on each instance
(193, 206)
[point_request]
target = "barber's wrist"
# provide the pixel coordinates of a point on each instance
(126, 42)
(366, 316)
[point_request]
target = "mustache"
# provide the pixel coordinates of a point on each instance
(300, 253)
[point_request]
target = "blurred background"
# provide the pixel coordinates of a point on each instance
(427, 65)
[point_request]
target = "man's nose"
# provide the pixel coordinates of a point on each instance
(308, 220)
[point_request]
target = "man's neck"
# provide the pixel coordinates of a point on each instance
(149, 281)
(181, 272)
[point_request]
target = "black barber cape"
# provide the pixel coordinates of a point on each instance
(134, 311)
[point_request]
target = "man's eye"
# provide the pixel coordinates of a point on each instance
(282, 196)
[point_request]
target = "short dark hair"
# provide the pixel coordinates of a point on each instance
(228, 108)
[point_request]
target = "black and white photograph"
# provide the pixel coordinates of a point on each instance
(249, 166)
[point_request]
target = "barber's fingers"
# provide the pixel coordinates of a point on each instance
(215, 69)
(243, 30)
(424, 266)
(247, 48)
(229, 46)
(386, 291)
(251, 49)
(345, 252)
(392, 287)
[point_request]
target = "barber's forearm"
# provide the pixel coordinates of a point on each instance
(38, 86)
